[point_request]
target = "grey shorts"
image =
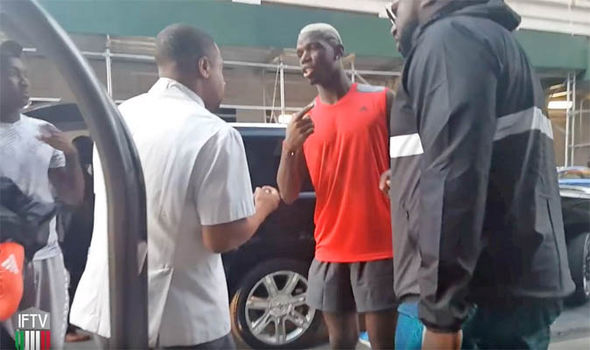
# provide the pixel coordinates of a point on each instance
(351, 287)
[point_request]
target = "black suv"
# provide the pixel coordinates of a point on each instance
(267, 277)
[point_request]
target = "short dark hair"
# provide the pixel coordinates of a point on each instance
(183, 45)
(10, 49)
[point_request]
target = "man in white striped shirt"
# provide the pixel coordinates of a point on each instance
(44, 164)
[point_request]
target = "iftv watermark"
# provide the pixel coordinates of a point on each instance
(33, 330)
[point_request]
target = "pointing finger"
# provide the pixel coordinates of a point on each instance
(303, 112)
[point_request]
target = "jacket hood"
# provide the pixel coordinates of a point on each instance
(495, 10)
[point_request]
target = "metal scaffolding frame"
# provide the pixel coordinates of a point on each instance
(575, 112)
(579, 118)
(280, 68)
(576, 115)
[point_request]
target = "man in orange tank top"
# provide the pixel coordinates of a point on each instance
(341, 141)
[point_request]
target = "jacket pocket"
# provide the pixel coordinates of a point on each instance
(543, 250)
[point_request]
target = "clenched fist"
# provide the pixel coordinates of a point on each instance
(385, 182)
(266, 199)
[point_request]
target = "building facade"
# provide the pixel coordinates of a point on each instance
(258, 37)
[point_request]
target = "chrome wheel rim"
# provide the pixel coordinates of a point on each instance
(276, 311)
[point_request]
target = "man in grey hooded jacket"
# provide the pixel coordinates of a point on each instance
(475, 199)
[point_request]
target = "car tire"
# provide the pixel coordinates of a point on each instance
(578, 251)
(258, 313)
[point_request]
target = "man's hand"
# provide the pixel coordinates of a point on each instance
(292, 169)
(441, 341)
(385, 182)
(299, 129)
(222, 238)
(68, 180)
(57, 139)
(266, 199)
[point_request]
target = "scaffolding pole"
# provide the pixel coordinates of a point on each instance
(567, 121)
(573, 124)
(109, 66)
(282, 82)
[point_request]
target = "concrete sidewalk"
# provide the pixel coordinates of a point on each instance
(572, 323)
(571, 344)
(571, 331)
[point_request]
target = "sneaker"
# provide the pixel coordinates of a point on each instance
(364, 339)
(75, 337)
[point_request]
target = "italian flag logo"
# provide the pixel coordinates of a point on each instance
(32, 340)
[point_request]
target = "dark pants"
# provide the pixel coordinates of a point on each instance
(76, 243)
(507, 324)
(522, 323)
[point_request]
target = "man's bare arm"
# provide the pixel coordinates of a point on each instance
(292, 168)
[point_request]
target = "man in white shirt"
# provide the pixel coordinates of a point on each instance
(199, 200)
(44, 164)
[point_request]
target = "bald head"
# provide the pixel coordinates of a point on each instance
(182, 46)
(191, 57)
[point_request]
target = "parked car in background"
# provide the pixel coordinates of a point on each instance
(575, 204)
(267, 277)
(574, 176)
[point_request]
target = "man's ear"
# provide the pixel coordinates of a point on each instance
(204, 67)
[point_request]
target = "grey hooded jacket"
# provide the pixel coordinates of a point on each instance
(475, 199)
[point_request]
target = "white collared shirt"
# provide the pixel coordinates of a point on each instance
(196, 174)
